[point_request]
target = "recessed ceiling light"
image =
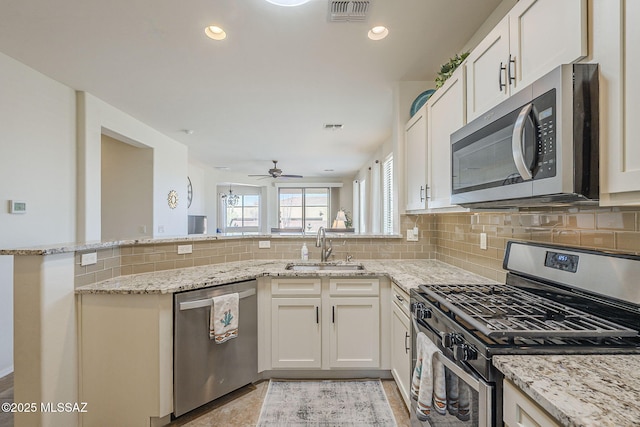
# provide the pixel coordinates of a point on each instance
(378, 33)
(214, 32)
(328, 170)
(221, 168)
(288, 2)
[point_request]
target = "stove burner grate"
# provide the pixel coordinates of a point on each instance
(507, 311)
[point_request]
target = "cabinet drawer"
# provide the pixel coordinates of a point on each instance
(401, 299)
(354, 287)
(290, 287)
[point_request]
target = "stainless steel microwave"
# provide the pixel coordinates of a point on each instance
(538, 147)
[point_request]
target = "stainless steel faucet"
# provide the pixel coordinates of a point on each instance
(321, 242)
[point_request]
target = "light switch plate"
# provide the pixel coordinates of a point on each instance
(185, 249)
(264, 244)
(89, 259)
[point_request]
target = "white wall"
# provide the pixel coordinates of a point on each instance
(126, 191)
(37, 165)
(170, 167)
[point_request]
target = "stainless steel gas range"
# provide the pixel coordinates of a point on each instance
(556, 300)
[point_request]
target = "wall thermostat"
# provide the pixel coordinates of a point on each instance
(17, 206)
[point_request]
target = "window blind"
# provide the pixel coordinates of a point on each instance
(387, 195)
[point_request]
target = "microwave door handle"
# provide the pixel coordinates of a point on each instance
(517, 143)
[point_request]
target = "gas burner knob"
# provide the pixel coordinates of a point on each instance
(464, 352)
(450, 339)
(420, 311)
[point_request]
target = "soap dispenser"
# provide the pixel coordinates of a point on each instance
(304, 252)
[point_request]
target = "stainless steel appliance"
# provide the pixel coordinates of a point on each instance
(538, 146)
(204, 370)
(197, 224)
(556, 300)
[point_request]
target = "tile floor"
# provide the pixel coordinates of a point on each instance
(6, 396)
(238, 409)
(242, 408)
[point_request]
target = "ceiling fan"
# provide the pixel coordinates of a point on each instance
(276, 172)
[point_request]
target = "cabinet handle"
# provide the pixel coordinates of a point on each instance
(423, 193)
(500, 84)
(512, 76)
(399, 298)
(406, 347)
(333, 314)
(317, 315)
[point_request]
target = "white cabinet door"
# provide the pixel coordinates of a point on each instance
(296, 333)
(544, 34)
(616, 39)
(535, 37)
(401, 351)
(416, 160)
(354, 332)
(486, 71)
(446, 113)
(519, 410)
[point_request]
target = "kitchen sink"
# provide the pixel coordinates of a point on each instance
(324, 267)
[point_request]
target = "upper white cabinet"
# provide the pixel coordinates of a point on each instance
(616, 37)
(416, 160)
(535, 37)
(446, 114)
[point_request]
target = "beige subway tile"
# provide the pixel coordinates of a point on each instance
(98, 266)
(143, 249)
(126, 250)
(581, 220)
(79, 269)
(541, 235)
(597, 239)
(142, 268)
(104, 275)
(126, 270)
(623, 221)
(154, 257)
(566, 237)
(104, 253)
(84, 279)
(112, 262)
(165, 265)
(132, 259)
(184, 263)
(202, 261)
(628, 241)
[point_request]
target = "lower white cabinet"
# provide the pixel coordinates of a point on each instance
(354, 332)
(519, 410)
(321, 324)
(401, 342)
(296, 333)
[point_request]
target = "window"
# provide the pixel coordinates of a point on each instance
(244, 216)
(387, 195)
(306, 208)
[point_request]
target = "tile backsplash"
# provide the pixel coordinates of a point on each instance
(458, 234)
(450, 237)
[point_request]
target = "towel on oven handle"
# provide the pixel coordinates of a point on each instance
(428, 386)
(458, 396)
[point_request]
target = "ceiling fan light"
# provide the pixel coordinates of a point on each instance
(214, 32)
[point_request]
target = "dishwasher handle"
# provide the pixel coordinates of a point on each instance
(190, 305)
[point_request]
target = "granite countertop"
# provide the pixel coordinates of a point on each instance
(406, 274)
(580, 390)
(61, 248)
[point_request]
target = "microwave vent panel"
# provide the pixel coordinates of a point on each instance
(349, 10)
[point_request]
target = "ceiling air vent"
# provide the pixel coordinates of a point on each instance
(349, 10)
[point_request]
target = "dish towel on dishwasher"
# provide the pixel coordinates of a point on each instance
(223, 320)
(428, 385)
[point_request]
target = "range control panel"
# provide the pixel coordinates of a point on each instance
(560, 261)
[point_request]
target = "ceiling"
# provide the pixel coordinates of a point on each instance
(264, 92)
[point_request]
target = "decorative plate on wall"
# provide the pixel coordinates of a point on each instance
(172, 199)
(189, 193)
(421, 100)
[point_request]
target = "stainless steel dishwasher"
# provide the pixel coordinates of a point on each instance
(202, 369)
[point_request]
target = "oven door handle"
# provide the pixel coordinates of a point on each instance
(467, 377)
(517, 143)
